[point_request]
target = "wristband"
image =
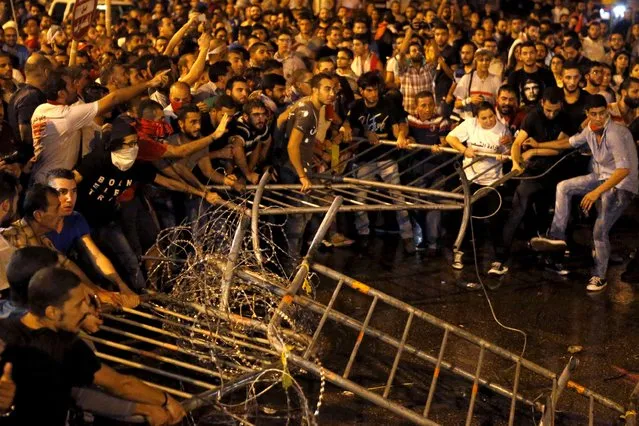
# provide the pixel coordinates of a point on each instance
(464, 103)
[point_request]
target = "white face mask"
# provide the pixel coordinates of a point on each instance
(124, 158)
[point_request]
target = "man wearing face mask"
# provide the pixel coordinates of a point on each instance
(610, 186)
(108, 178)
(179, 95)
(545, 123)
(624, 111)
(57, 124)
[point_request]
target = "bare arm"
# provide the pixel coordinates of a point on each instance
(515, 150)
(103, 264)
(456, 143)
(207, 170)
(181, 151)
(200, 62)
(559, 144)
(239, 155)
(123, 95)
(178, 36)
(293, 148)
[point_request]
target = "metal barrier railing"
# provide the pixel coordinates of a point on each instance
(364, 329)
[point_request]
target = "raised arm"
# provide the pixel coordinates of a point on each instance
(200, 62)
(179, 35)
(123, 95)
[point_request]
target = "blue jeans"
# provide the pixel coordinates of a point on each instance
(610, 207)
(112, 241)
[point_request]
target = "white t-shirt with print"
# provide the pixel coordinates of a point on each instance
(58, 146)
(481, 140)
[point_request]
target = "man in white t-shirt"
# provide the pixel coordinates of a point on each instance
(477, 86)
(57, 124)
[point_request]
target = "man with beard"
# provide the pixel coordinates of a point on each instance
(545, 123)
(592, 44)
(250, 138)
(414, 74)
(616, 42)
(11, 45)
(57, 124)
(624, 110)
(477, 86)
(57, 39)
(610, 186)
(575, 98)
(572, 53)
(274, 90)
(333, 39)
(189, 121)
(237, 88)
(467, 56)
(594, 78)
(376, 119)
(507, 108)
(295, 160)
(43, 348)
(529, 35)
(530, 72)
(7, 84)
(504, 40)
(448, 61)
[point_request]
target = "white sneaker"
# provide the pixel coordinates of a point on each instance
(497, 268)
(596, 284)
(547, 244)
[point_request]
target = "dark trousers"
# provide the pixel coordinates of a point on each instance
(527, 191)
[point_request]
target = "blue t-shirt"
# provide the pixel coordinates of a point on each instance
(75, 227)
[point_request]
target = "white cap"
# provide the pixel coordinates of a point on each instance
(10, 24)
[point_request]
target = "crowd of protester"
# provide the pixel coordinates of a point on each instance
(106, 141)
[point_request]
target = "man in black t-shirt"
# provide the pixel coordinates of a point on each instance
(377, 119)
(28, 97)
(107, 178)
(531, 80)
(48, 358)
(547, 122)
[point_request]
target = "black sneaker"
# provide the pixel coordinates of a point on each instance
(497, 269)
(596, 284)
(547, 244)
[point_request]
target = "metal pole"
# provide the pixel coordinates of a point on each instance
(437, 148)
(227, 277)
(458, 255)
(255, 217)
(513, 403)
(558, 388)
(391, 376)
(318, 330)
(473, 394)
(107, 18)
(433, 383)
(360, 338)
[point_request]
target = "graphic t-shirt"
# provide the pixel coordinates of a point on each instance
(482, 140)
(103, 183)
(304, 118)
(378, 119)
(531, 85)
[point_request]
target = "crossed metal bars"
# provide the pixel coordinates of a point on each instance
(364, 329)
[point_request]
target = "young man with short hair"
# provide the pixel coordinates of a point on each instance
(610, 186)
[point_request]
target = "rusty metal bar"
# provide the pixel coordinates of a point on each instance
(438, 148)
(473, 394)
(318, 330)
(157, 371)
(398, 355)
(591, 411)
(513, 402)
(357, 325)
(151, 355)
(378, 159)
(433, 383)
(392, 207)
(363, 288)
(360, 337)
